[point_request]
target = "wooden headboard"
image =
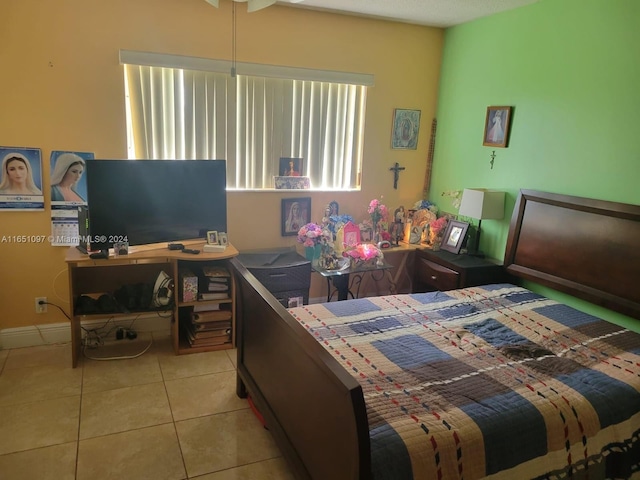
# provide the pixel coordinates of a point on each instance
(584, 247)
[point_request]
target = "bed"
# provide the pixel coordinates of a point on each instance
(492, 381)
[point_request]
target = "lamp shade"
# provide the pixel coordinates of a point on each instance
(482, 204)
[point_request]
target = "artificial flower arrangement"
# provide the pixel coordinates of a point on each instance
(425, 205)
(437, 229)
(378, 211)
(438, 225)
(379, 214)
(310, 234)
(364, 252)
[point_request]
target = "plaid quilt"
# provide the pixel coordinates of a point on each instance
(493, 381)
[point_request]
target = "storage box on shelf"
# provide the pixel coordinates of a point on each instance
(93, 279)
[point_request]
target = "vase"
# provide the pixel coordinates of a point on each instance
(313, 253)
(377, 238)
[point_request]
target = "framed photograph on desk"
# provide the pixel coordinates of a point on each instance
(454, 236)
(212, 237)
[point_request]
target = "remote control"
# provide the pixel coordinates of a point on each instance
(175, 246)
(190, 250)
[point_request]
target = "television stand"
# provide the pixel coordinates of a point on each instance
(90, 277)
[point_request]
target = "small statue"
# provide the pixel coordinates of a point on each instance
(327, 214)
(397, 228)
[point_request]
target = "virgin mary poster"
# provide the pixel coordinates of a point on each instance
(21, 179)
(68, 192)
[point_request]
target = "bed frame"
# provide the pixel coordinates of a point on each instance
(315, 409)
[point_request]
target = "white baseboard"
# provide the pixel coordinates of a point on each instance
(52, 333)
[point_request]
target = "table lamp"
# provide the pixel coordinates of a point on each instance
(481, 204)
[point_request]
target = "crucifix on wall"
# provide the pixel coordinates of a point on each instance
(396, 169)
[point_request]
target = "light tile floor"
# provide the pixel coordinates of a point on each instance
(158, 417)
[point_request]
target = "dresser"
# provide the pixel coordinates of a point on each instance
(442, 270)
(285, 273)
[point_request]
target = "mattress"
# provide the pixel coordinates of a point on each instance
(493, 381)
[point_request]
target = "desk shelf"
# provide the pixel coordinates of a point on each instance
(94, 277)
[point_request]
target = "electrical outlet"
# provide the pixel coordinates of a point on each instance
(41, 307)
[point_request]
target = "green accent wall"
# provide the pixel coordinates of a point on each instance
(571, 71)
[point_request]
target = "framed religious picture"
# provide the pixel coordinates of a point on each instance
(496, 126)
(296, 213)
(290, 167)
(406, 124)
(454, 236)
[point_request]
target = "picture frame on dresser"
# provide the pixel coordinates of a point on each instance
(454, 236)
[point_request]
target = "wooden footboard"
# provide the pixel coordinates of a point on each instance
(312, 406)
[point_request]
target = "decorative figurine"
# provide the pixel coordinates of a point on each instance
(397, 227)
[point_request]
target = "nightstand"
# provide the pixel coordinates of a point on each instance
(442, 270)
(283, 272)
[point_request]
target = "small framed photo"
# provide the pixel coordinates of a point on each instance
(366, 233)
(222, 238)
(295, 302)
(496, 127)
(454, 236)
(406, 124)
(212, 237)
(120, 248)
(296, 213)
(291, 167)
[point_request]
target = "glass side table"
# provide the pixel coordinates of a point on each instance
(347, 280)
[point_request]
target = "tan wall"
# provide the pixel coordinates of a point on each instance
(62, 89)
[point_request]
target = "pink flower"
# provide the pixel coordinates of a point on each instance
(364, 251)
(378, 211)
(438, 224)
(309, 235)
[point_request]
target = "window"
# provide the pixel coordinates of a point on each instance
(187, 108)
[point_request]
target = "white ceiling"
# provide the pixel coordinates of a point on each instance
(437, 13)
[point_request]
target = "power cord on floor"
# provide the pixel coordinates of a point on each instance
(95, 337)
(122, 357)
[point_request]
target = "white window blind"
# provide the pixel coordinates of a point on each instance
(251, 120)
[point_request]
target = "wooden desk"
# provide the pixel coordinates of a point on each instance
(143, 264)
(398, 279)
(343, 281)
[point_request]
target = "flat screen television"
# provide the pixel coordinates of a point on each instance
(154, 201)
